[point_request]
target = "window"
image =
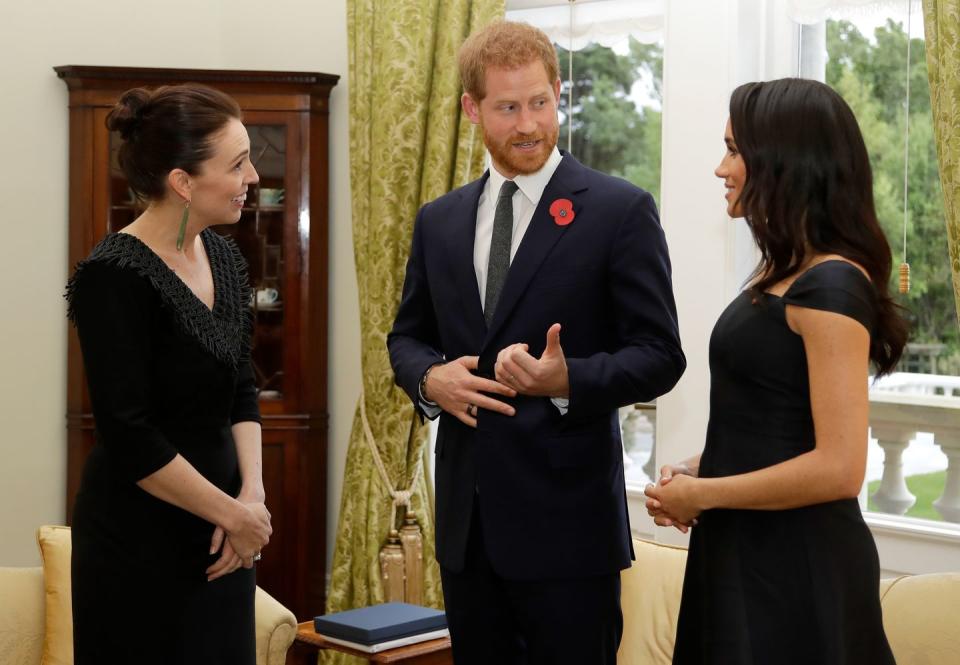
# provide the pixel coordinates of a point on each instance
(862, 52)
(611, 69)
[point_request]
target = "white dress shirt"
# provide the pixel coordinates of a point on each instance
(525, 201)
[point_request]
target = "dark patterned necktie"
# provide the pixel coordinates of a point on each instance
(500, 242)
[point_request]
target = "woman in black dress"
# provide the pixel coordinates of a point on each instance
(782, 568)
(170, 515)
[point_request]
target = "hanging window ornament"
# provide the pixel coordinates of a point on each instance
(905, 267)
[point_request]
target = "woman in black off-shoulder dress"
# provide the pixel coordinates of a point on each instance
(782, 568)
(170, 515)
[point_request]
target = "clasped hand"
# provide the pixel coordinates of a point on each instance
(672, 501)
(459, 392)
(238, 545)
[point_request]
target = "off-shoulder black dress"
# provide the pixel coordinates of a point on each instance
(166, 375)
(786, 586)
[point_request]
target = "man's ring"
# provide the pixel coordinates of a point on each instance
(257, 556)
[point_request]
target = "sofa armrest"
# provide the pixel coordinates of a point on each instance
(650, 598)
(276, 628)
(886, 583)
(920, 618)
(21, 615)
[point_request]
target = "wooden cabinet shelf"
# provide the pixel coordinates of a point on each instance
(286, 115)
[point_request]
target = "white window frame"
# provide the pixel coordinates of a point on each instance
(710, 47)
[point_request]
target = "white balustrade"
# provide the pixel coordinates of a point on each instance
(893, 496)
(948, 505)
(901, 405)
(650, 411)
(917, 384)
(637, 421)
(627, 432)
(895, 418)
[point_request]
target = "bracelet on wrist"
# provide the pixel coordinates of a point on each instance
(423, 386)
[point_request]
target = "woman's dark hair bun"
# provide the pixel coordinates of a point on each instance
(126, 115)
(169, 128)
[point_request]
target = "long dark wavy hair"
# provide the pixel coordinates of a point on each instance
(809, 190)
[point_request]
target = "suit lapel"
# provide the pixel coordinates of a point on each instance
(463, 231)
(539, 239)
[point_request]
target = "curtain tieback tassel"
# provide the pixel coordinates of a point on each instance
(392, 569)
(401, 558)
(412, 540)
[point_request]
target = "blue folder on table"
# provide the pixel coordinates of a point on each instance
(380, 623)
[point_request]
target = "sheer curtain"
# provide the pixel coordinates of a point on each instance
(606, 22)
(809, 12)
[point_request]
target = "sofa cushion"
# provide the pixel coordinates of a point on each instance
(650, 598)
(55, 551)
(21, 615)
(920, 618)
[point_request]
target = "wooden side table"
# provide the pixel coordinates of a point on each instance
(308, 644)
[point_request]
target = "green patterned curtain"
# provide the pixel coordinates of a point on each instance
(941, 21)
(409, 143)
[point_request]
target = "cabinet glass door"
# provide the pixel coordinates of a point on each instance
(260, 236)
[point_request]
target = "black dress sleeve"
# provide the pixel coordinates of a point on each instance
(839, 287)
(245, 407)
(112, 308)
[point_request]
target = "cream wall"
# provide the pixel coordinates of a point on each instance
(699, 233)
(709, 49)
(307, 35)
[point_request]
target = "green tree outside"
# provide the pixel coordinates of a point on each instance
(612, 134)
(871, 77)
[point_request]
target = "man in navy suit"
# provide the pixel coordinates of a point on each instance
(532, 527)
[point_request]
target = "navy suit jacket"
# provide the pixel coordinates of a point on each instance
(551, 487)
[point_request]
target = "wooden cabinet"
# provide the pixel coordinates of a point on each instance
(283, 235)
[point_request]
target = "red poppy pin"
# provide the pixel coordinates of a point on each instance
(562, 212)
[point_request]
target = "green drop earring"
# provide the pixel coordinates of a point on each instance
(183, 226)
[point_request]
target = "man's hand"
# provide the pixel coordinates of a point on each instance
(460, 393)
(544, 377)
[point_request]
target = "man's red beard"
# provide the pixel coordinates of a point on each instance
(518, 162)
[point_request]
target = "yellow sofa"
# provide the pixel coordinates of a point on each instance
(921, 613)
(30, 597)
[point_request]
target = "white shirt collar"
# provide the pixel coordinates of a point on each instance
(532, 184)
